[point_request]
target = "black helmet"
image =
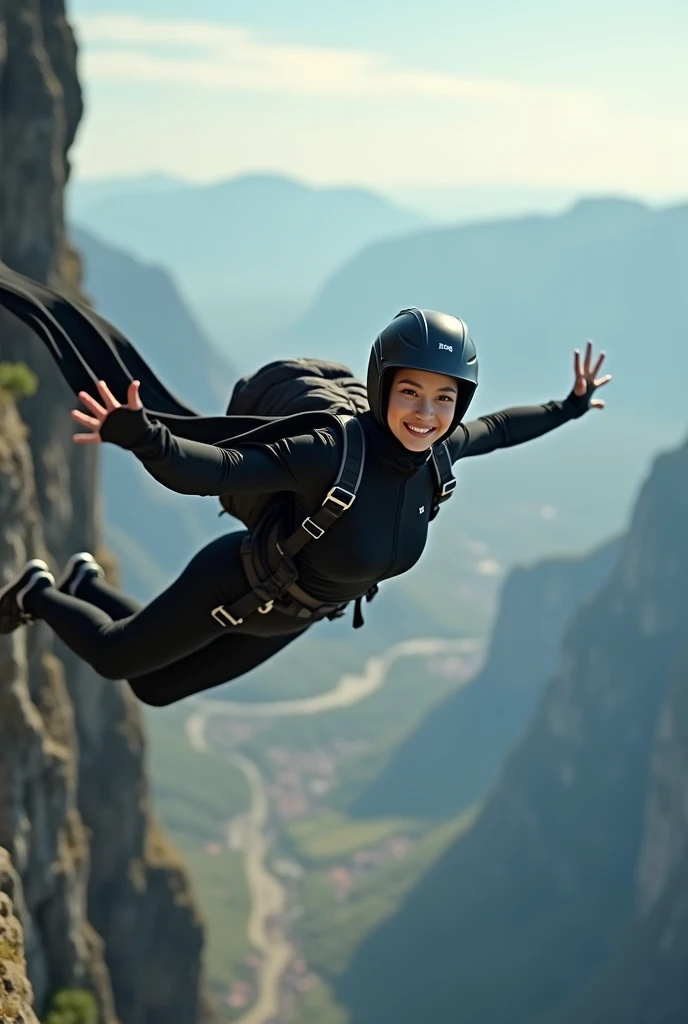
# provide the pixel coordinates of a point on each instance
(422, 339)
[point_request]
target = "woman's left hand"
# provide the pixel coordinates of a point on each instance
(586, 378)
(99, 413)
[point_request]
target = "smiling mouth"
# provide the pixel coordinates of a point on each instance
(419, 431)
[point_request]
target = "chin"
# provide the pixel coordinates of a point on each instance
(419, 446)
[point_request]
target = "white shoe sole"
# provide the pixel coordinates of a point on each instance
(34, 563)
(87, 562)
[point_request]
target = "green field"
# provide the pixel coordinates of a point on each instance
(319, 1007)
(194, 792)
(332, 837)
(224, 900)
(330, 931)
(381, 720)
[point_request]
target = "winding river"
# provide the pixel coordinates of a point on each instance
(268, 895)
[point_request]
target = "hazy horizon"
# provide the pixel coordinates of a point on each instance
(533, 99)
(437, 204)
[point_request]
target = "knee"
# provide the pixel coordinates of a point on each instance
(108, 668)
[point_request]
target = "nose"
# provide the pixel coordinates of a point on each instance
(424, 409)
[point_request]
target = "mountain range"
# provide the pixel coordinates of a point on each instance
(250, 253)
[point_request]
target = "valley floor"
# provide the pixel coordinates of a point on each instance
(323, 864)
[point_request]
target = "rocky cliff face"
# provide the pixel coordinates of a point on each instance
(568, 900)
(645, 981)
(16, 993)
(40, 826)
(105, 903)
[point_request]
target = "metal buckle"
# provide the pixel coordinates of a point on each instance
(265, 608)
(448, 487)
(338, 501)
(309, 522)
(221, 610)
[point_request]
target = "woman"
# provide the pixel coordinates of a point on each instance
(421, 379)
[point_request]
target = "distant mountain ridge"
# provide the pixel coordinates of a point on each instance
(250, 252)
(82, 194)
(143, 301)
(525, 286)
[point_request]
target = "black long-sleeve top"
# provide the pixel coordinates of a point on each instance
(384, 532)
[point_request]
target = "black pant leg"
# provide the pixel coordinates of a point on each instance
(227, 658)
(103, 595)
(175, 624)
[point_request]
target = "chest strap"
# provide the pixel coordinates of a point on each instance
(446, 481)
(279, 581)
(268, 562)
(341, 494)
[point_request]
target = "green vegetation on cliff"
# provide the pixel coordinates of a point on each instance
(18, 380)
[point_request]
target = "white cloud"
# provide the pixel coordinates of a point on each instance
(223, 57)
(214, 100)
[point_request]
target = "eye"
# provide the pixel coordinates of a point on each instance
(446, 398)
(409, 391)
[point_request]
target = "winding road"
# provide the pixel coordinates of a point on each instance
(349, 690)
(268, 895)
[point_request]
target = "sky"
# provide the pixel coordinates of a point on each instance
(590, 96)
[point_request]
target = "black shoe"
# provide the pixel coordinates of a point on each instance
(12, 613)
(78, 568)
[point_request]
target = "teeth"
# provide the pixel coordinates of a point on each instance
(419, 430)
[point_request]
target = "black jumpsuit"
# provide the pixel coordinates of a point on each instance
(173, 647)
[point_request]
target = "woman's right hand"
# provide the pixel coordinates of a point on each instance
(99, 413)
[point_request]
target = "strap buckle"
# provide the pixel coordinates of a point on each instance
(221, 610)
(448, 486)
(338, 501)
(310, 527)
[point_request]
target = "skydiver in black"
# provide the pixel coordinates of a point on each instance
(421, 379)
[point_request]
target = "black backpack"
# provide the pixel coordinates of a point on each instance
(287, 387)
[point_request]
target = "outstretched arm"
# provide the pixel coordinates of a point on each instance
(524, 423)
(191, 467)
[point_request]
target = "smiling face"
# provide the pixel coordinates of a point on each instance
(421, 407)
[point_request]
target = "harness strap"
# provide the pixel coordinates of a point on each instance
(281, 577)
(340, 496)
(280, 581)
(446, 481)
